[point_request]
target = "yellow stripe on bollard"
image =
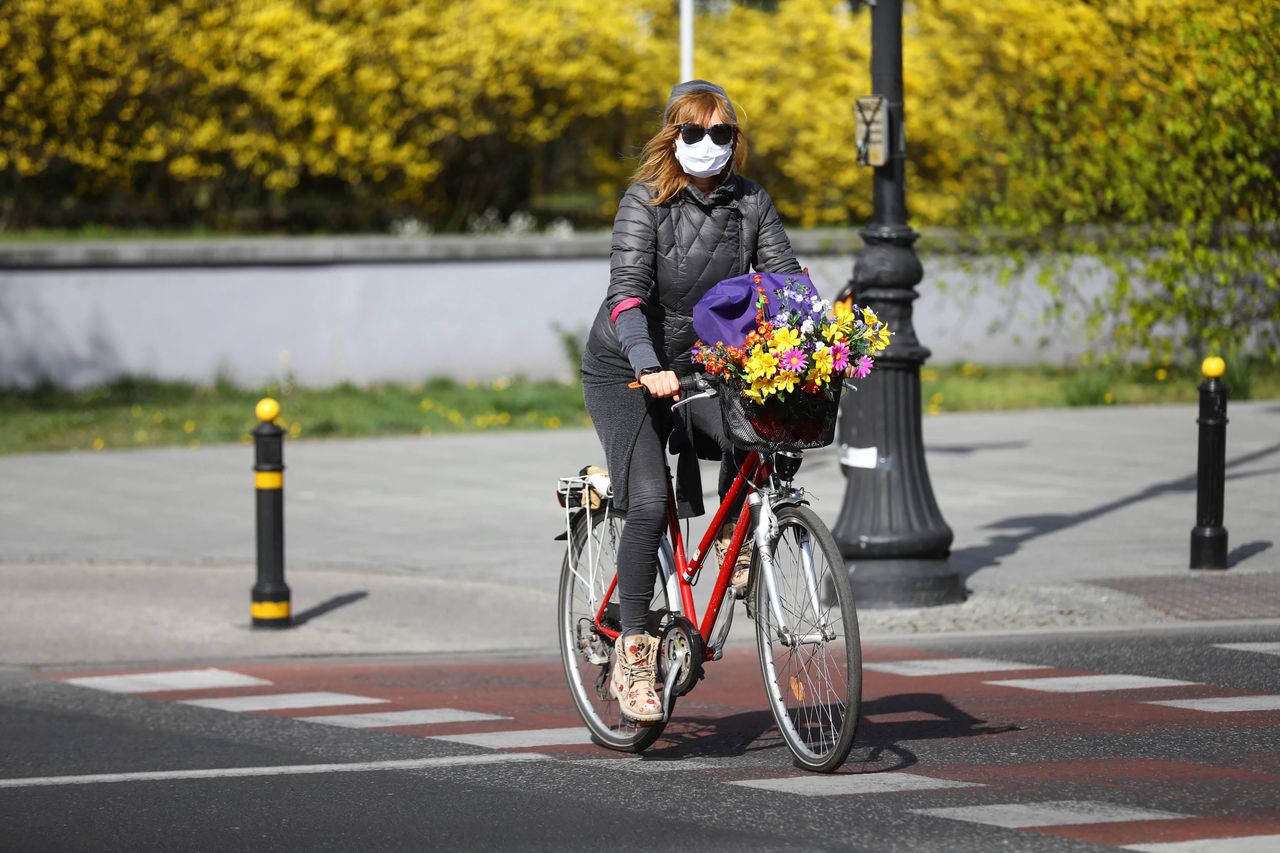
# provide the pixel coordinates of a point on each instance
(269, 610)
(268, 479)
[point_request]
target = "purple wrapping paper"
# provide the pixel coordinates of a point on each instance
(727, 311)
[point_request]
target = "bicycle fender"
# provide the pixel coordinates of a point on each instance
(573, 520)
(789, 500)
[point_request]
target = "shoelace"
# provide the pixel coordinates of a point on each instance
(641, 670)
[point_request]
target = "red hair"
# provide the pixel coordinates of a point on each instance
(659, 169)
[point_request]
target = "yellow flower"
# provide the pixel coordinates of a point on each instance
(869, 317)
(844, 317)
(822, 362)
(785, 339)
(760, 389)
(761, 365)
(785, 381)
(878, 338)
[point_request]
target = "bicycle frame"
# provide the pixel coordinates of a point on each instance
(754, 469)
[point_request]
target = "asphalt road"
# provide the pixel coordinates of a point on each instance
(953, 760)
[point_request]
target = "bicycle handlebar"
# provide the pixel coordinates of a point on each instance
(692, 387)
(694, 383)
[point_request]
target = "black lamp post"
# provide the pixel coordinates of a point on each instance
(890, 530)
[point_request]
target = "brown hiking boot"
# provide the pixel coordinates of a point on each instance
(741, 566)
(634, 670)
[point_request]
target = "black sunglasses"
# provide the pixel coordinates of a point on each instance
(721, 134)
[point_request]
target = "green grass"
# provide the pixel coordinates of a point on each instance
(106, 232)
(150, 413)
(972, 388)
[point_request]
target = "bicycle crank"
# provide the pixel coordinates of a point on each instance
(681, 653)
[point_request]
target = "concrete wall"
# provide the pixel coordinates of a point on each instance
(375, 309)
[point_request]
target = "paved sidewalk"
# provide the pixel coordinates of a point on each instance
(446, 543)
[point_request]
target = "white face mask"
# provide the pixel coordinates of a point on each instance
(703, 159)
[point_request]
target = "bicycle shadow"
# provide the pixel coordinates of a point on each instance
(890, 721)
(715, 737)
(887, 723)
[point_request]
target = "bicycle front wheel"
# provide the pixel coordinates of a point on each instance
(589, 568)
(807, 636)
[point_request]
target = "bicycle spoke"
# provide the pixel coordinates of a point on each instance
(813, 671)
(589, 567)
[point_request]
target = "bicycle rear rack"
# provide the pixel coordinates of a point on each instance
(586, 492)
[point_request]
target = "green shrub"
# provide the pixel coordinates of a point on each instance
(1089, 387)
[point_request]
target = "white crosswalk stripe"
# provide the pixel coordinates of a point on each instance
(853, 783)
(1225, 704)
(282, 770)
(155, 682)
(282, 701)
(947, 666)
(520, 739)
(390, 719)
(1245, 844)
(1090, 683)
(1264, 648)
(1055, 813)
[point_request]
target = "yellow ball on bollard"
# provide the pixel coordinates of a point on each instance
(268, 410)
(1213, 367)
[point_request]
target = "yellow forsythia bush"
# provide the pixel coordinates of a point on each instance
(302, 114)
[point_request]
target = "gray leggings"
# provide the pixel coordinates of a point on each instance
(647, 503)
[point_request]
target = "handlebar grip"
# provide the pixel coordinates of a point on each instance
(693, 384)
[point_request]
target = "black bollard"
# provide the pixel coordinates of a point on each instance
(1209, 537)
(270, 607)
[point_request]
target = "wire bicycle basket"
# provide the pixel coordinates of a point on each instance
(802, 422)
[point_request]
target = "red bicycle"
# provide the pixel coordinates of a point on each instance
(798, 595)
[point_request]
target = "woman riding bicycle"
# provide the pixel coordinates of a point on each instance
(688, 221)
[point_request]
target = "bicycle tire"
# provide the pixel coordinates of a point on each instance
(598, 710)
(814, 686)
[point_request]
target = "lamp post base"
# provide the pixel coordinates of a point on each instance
(906, 582)
(1209, 548)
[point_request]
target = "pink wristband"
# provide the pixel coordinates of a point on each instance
(632, 302)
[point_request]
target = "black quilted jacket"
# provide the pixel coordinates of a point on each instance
(668, 255)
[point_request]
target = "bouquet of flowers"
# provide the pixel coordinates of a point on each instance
(787, 368)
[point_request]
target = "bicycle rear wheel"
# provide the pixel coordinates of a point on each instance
(590, 565)
(811, 659)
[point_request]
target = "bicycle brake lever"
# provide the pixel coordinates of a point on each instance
(710, 392)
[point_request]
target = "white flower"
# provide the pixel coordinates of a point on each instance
(806, 327)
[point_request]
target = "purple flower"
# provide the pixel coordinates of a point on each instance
(793, 360)
(863, 367)
(839, 356)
